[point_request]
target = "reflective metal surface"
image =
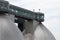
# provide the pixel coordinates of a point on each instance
(8, 30)
(42, 33)
(37, 31)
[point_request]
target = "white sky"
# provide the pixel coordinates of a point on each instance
(51, 9)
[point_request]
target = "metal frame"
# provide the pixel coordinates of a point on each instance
(20, 12)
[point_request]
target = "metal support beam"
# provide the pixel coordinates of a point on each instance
(20, 12)
(30, 26)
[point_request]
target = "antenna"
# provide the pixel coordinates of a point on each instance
(39, 10)
(33, 10)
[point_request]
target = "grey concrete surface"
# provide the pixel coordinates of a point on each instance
(8, 30)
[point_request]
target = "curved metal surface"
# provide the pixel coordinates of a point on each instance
(37, 31)
(42, 33)
(8, 30)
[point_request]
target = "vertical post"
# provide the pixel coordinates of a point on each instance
(30, 26)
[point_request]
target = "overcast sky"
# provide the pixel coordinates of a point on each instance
(51, 9)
